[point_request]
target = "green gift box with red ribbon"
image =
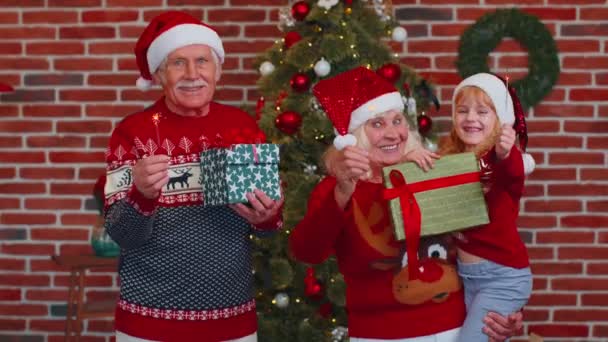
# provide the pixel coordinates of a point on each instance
(447, 198)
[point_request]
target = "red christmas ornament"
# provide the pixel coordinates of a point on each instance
(312, 288)
(300, 10)
(259, 137)
(425, 124)
(288, 122)
(348, 2)
(291, 38)
(313, 291)
(300, 82)
(310, 276)
(390, 72)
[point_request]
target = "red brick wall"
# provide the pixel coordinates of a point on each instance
(72, 66)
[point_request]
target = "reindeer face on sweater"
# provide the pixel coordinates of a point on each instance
(435, 278)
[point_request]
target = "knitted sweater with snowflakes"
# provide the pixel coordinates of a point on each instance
(185, 269)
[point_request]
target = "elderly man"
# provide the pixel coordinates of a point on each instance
(185, 269)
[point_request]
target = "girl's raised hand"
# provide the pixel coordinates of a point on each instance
(505, 141)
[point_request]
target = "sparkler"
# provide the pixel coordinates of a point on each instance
(156, 121)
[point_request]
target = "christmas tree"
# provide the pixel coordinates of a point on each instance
(298, 302)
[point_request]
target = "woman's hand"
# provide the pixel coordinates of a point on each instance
(348, 166)
(423, 157)
(499, 327)
(351, 159)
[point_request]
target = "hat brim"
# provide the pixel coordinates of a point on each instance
(180, 36)
(375, 106)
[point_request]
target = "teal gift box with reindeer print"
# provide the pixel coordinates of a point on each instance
(229, 173)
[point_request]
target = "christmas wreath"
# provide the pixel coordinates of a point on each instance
(484, 36)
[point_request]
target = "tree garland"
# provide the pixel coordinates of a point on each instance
(484, 36)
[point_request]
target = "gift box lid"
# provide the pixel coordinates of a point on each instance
(253, 154)
(445, 208)
(450, 165)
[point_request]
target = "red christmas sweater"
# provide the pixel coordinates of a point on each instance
(185, 268)
(383, 301)
(499, 240)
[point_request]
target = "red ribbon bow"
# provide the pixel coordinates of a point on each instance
(411, 212)
(412, 218)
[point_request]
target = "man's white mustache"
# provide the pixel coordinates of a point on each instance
(190, 84)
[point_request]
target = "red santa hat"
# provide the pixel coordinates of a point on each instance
(167, 32)
(507, 106)
(353, 97)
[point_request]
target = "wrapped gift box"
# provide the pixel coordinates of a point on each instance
(450, 196)
(229, 173)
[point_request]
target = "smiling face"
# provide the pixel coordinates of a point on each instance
(475, 118)
(387, 135)
(188, 78)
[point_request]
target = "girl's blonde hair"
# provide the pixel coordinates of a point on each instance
(452, 143)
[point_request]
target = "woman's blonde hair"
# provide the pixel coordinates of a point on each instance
(412, 142)
(452, 143)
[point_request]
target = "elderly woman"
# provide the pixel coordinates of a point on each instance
(347, 216)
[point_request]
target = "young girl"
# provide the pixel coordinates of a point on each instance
(348, 217)
(492, 259)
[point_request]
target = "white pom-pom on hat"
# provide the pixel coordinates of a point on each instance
(341, 141)
(529, 163)
(143, 84)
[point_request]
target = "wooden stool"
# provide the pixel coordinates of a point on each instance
(78, 265)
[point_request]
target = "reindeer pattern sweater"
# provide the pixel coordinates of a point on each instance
(374, 266)
(185, 269)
